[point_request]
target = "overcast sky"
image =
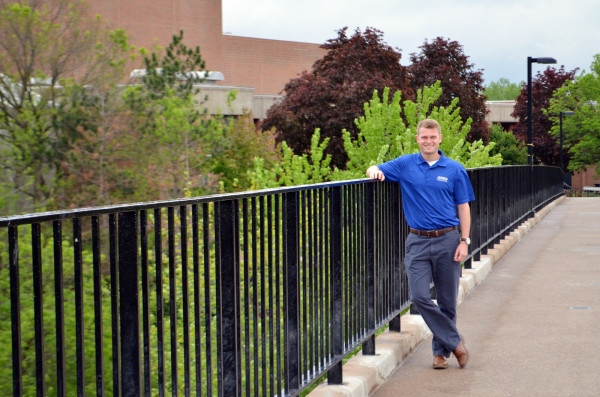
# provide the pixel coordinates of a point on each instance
(496, 35)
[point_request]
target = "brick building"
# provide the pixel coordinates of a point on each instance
(259, 67)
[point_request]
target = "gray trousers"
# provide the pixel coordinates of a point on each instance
(430, 259)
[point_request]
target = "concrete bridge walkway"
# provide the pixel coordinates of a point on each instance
(531, 324)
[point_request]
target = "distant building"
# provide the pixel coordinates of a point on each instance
(257, 68)
(500, 112)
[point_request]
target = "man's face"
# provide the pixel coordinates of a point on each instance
(429, 140)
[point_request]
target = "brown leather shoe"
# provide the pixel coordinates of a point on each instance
(461, 354)
(439, 362)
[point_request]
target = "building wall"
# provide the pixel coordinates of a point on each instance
(266, 65)
(263, 64)
(588, 177)
(151, 22)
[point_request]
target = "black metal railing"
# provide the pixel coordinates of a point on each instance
(256, 293)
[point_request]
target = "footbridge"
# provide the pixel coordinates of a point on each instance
(295, 291)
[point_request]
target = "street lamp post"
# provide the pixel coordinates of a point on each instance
(531, 60)
(566, 113)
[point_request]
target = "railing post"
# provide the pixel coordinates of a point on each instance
(368, 347)
(334, 375)
(291, 293)
(131, 370)
(228, 322)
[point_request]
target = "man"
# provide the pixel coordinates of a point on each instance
(434, 190)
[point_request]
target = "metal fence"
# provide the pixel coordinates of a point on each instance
(257, 293)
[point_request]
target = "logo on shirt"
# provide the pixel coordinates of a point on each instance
(442, 179)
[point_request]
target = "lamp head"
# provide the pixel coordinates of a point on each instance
(568, 113)
(543, 60)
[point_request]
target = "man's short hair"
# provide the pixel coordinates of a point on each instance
(431, 124)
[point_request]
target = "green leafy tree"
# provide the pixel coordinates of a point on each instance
(502, 90)
(384, 135)
(332, 95)
(293, 169)
(180, 68)
(513, 151)
(581, 131)
(46, 48)
(234, 149)
(170, 154)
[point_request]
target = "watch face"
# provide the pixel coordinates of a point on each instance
(466, 240)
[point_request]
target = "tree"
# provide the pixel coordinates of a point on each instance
(502, 90)
(444, 60)
(233, 152)
(513, 151)
(543, 85)
(332, 95)
(383, 135)
(45, 47)
(581, 131)
(171, 154)
(293, 169)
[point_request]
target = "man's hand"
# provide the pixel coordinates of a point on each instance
(375, 173)
(461, 252)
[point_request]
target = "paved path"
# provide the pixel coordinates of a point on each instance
(532, 325)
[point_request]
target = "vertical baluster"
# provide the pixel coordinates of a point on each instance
(79, 325)
(99, 334)
(291, 293)
(278, 264)
(38, 307)
(197, 307)
(271, 285)
(131, 371)
(310, 286)
(263, 299)
(59, 308)
(185, 299)
(172, 299)
(302, 286)
(145, 300)
(207, 302)
(334, 375)
(15, 310)
(247, 262)
(114, 303)
(227, 295)
(160, 315)
(255, 304)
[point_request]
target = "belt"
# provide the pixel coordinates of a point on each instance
(432, 233)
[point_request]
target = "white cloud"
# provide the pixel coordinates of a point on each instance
(497, 35)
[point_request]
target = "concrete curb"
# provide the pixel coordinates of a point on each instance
(363, 374)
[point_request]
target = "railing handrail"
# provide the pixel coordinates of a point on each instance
(110, 209)
(57, 215)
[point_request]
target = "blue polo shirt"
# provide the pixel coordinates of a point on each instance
(430, 194)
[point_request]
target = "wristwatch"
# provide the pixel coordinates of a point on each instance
(466, 240)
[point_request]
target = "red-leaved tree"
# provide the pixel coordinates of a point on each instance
(444, 60)
(332, 95)
(545, 147)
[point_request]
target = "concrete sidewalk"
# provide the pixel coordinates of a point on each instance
(531, 325)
